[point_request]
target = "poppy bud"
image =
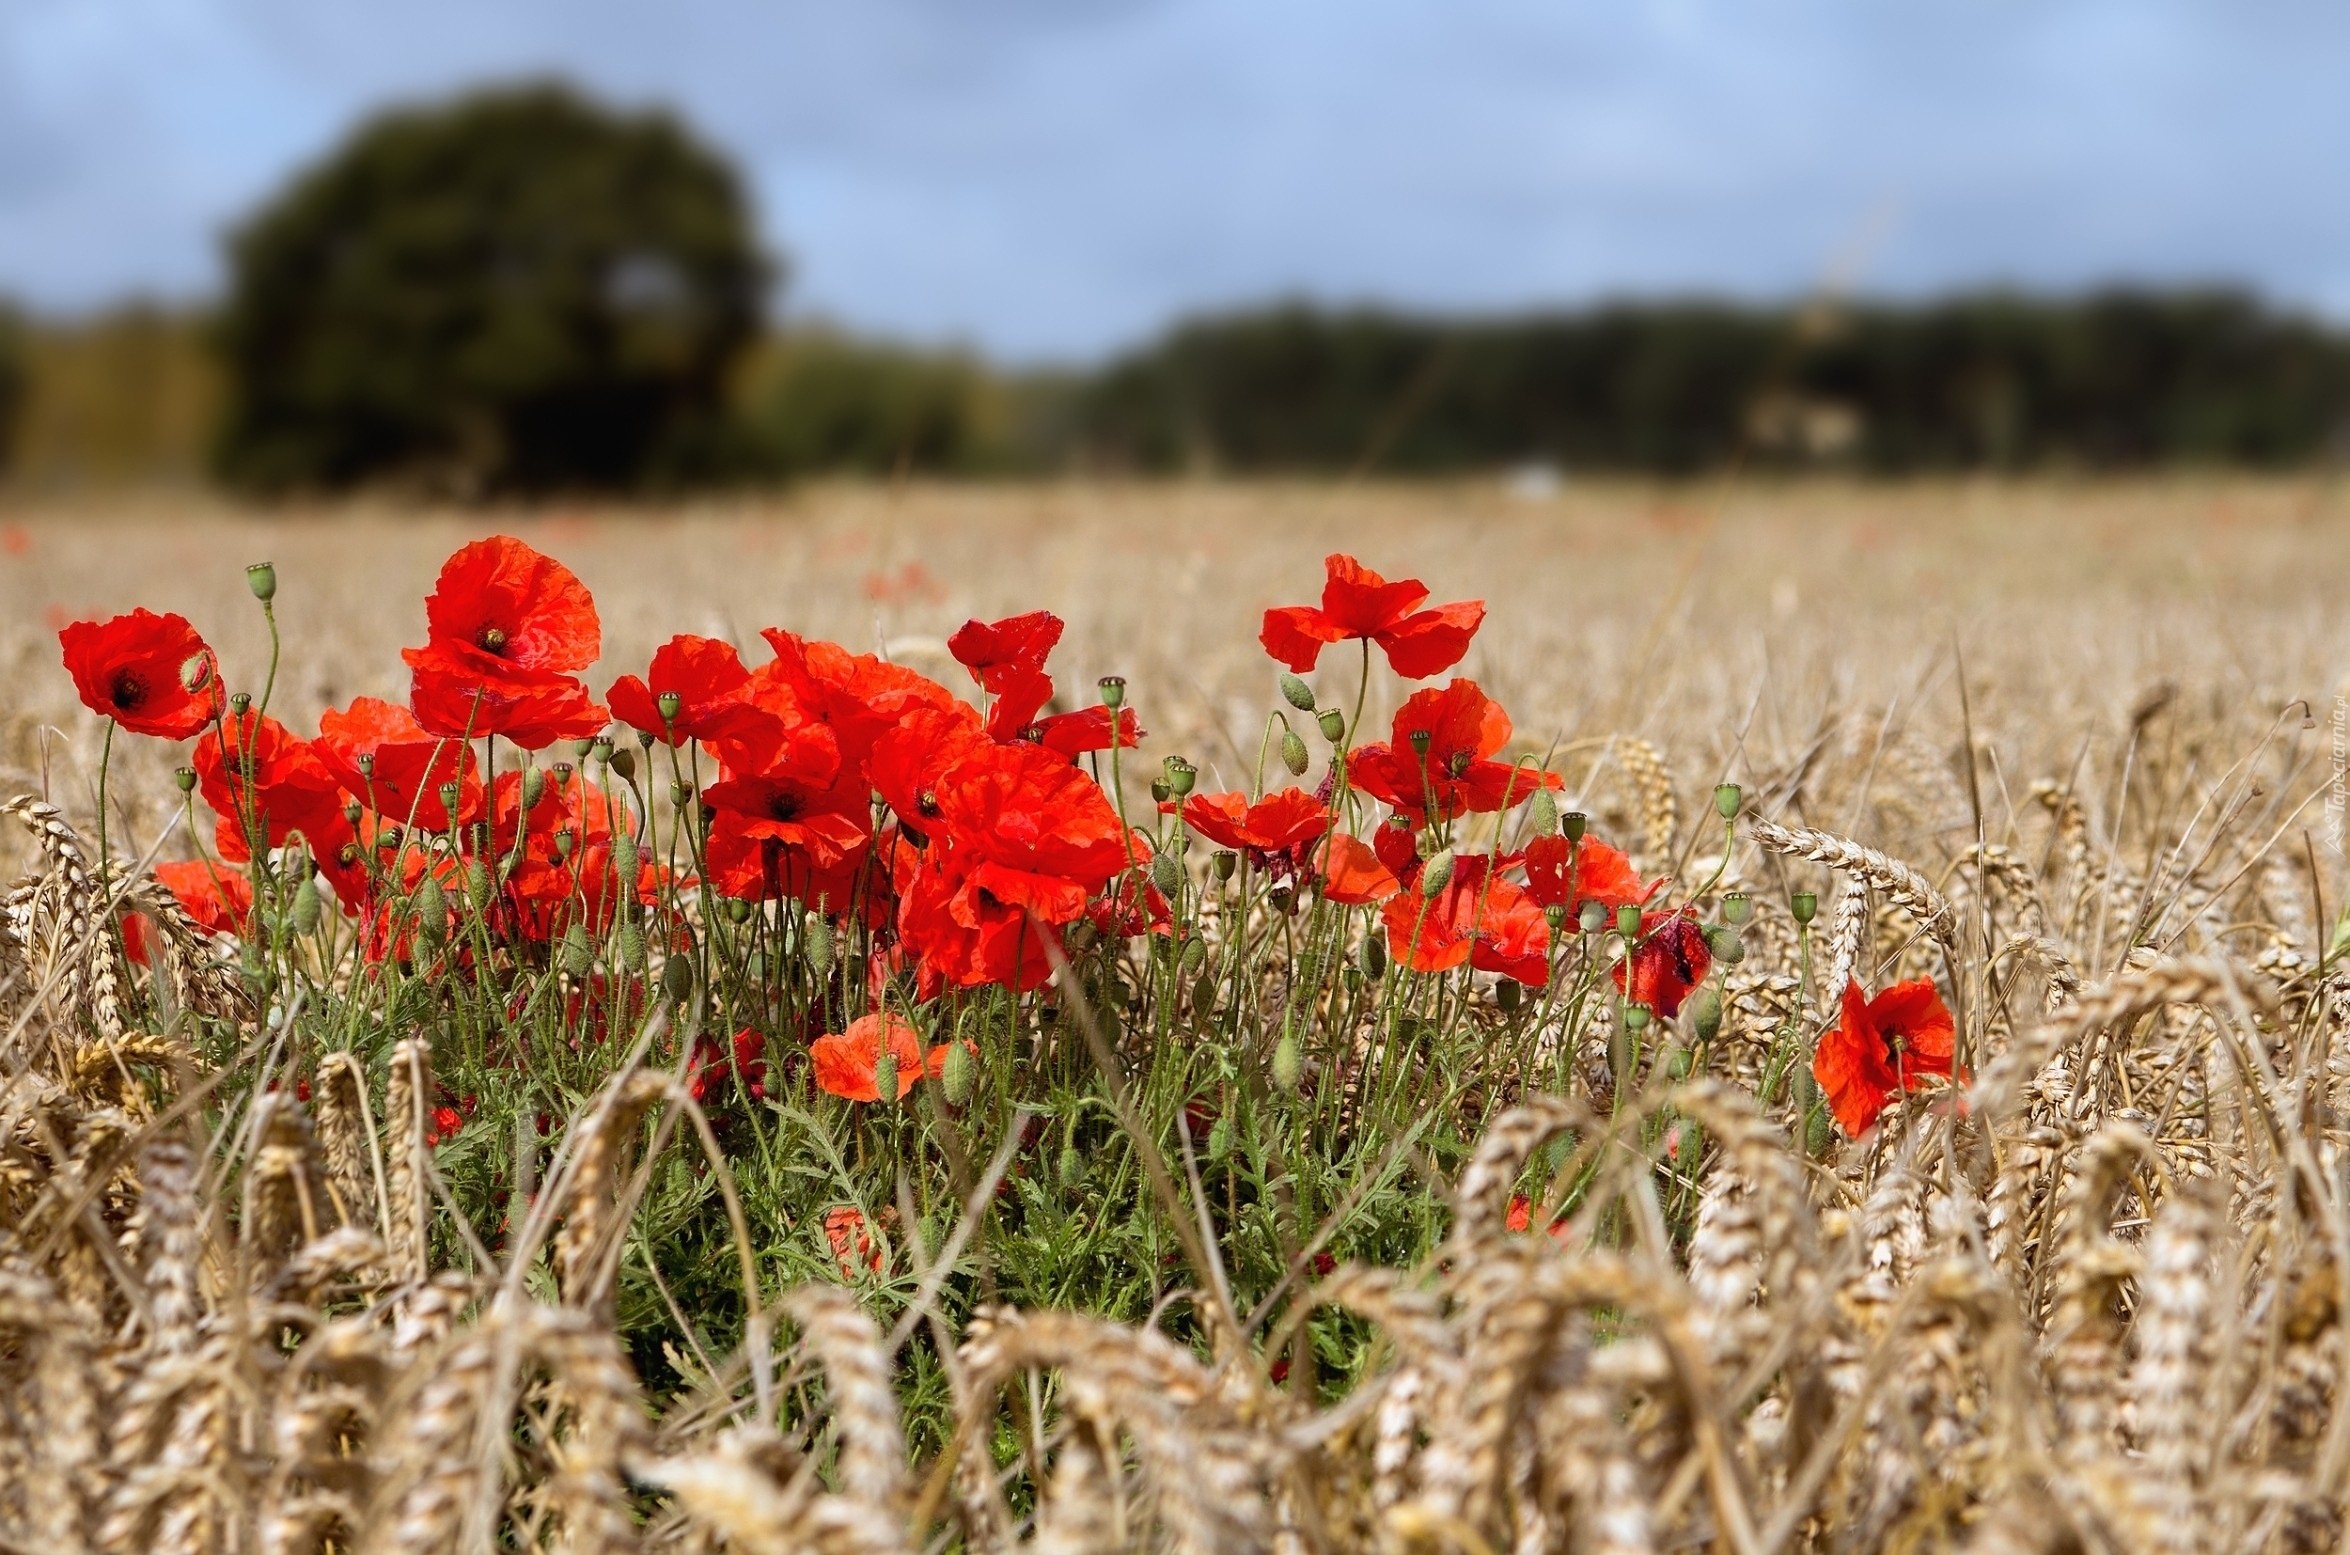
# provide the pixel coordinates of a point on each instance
(261, 578)
(624, 858)
(1437, 872)
(1220, 1137)
(1574, 824)
(1113, 689)
(1333, 724)
(632, 945)
(365, 763)
(302, 916)
(1420, 740)
(1293, 752)
(1203, 995)
(1725, 944)
(1705, 1013)
(1726, 800)
(958, 1072)
(1556, 916)
(1288, 1063)
(1195, 956)
(1635, 1017)
(1543, 813)
(1224, 864)
(1506, 994)
(1070, 1167)
(1373, 956)
(1804, 905)
(677, 976)
(478, 883)
(885, 1076)
(1181, 775)
(185, 777)
(451, 793)
(580, 747)
(670, 704)
(1160, 792)
(622, 761)
(1628, 921)
(240, 702)
(1296, 692)
(1737, 907)
(578, 954)
(1593, 917)
(1167, 873)
(534, 785)
(816, 940)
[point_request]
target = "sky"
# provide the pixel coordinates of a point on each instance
(1054, 179)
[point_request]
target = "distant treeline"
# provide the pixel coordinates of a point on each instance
(2118, 380)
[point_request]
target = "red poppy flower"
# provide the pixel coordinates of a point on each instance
(852, 1245)
(714, 1069)
(407, 765)
(1024, 694)
(820, 821)
(564, 872)
(218, 898)
(1276, 822)
(1901, 1040)
(1397, 847)
(1521, 1218)
(998, 652)
(1478, 917)
(1463, 727)
(709, 679)
(1132, 906)
(909, 762)
(151, 674)
(1670, 960)
(457, 689)
(268, 784)
(845, 1065)
(1357, 602)
(1567, 874)
(1353, 875)
(525, 610)
(854, 697)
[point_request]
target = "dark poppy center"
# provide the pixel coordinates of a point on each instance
(1457, 763)
(927, 802)
(491, 639)
(783, 807)
(128, 690)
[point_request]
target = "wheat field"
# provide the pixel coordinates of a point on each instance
(2067, 750)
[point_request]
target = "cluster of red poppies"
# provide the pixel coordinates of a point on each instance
(966, 840)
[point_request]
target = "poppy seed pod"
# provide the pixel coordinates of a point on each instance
(1542, 813)
(1288, 1063)
(1574, 824)
(565, 840)
(302, 916)
(602, 749)
(1373, 956)
(957, 1073)
(1737, 907)
(679, 792)
(580, 747)
(1296, 692)
(623, 761)
(534, 785)
(562, 771)
(885, 1077)
(1593, 917)
(1636, 1017)
(669, 704)
(1804, 905)
(1725, 944)
(1556, 916)
(1181, 776)
(1437, 872)
(240, 702)
(451, 793)
(185, 777)
(1113, 689)
(365, 763)
(1727, 797)
(1628, 921)
(1705, 1013)
(1281, 898)
(738, 910)
(1333, 724)
(1293, 752)
(1506, 995)
(351, 811)
(1421, 740)
(261, 578)
(1160, 792)
(1224, 864)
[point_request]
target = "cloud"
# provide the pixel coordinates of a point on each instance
(1058, 176)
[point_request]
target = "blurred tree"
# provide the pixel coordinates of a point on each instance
(12, 379)
(519, 290)
(817, 400)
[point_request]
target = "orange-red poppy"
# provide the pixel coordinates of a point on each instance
(1478, 917)
(999, 652)
(1358, 603)
(708, 679)
(1567, 874)
(1461, 729)
(406, 765)
(1353, 875)
(1670, 959)
(218, 898)
(1275, 823)
(1901, 1040)
(844, 1065)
